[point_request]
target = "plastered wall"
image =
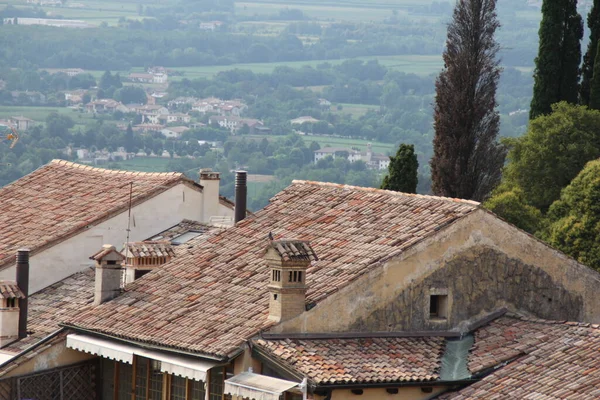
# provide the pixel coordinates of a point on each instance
(481, 262)
(148, 218)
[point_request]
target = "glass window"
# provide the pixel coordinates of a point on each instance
(197, 390)
(125, 376)
(141, 378)
(108, 379)
(217, 382)
(156, 383)
(178, 388)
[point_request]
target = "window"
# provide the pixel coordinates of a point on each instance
(438, 306)
(139, 273)
(108, 379)
(125, 376)
(178, 385)
(197, 390)
(156, 382)
(217, 383)
(141, 378)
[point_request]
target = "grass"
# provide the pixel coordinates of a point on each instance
(144, 164)
(40, 113)
(324, 141)
(417, 64)
(356, 110)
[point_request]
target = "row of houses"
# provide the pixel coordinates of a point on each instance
(149, 77)
(373, 160)
(234, 124)
(213, 105)
(329, 292)
(19, 123)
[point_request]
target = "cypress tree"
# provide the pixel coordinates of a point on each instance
(402, 171)
(556, 76)
(589, 59)
(467, 158)
(594, 102)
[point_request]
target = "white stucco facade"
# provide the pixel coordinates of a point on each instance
(148, 218)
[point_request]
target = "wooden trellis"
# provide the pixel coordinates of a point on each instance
(76, 382)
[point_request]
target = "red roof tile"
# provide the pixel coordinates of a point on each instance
(213, 298)
(10, 290)
(62, 198)
(148, 249)
(551, 361)
(294, 250)
(337, 361)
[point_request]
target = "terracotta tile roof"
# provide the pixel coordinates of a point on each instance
(554, 360)
(217, 293)
(62, 198)
(54, 304)
(106, 250)
(337, 361)
(149, 249)
(294, 250)
(10, 290)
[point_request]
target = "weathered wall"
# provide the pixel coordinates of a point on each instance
(482, 263)
(404, 393)
(55, 356)
(477, 281)
(148, 218)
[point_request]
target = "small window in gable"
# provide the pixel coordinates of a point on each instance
(438, 306)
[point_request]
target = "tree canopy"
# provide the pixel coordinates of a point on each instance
(402, 171)
(589, 59)
(552, 152)
(467, 158)
(556, 75)
(575, 218)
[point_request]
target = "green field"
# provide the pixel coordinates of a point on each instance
(40, 113)
(145, 164)
(324, 141)
(417, 64)
(356, 110)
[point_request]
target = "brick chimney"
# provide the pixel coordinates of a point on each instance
(108, 274)
(143, 257)
(241, 194)
(23, 285)
(210, 181)
(288, 261)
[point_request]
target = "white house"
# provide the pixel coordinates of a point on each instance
(302, 120)
(373, 160)
(174, 132)
(63, 212)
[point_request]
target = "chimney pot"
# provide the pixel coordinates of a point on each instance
(108, 274)
(288, 261)
(23, 284)
(241, 192)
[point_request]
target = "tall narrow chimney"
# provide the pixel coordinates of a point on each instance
(23, 284)
(108, 274)
(209, 180)
(241, 191)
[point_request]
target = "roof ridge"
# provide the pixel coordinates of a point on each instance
(391, 192)
(542, 321)
(71, 164)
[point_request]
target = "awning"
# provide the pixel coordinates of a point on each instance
(256, 386)
(101, 347)
(186, 367)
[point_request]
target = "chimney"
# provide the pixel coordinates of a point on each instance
(241, 191)
(210, 181)
(108, 274)
(288, 261)
(23, 284)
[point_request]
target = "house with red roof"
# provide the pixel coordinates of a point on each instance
(338, 292)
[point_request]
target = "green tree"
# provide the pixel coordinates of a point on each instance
(467, 158)
(556, 75)
(594, 90)
(129, 139)
(512, 206)
(402, 171)
(552, 152)
(575, 218)
(589, 59)
(131, 94)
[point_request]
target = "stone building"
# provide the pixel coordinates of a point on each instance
(335, 292)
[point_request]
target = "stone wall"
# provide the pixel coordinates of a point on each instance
(478, 280)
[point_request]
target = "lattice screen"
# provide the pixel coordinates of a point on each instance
(71, 383)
